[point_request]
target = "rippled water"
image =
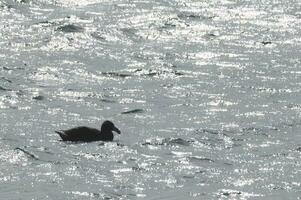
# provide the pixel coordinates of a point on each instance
(206, 94)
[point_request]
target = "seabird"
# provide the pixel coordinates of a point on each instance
(87, 134)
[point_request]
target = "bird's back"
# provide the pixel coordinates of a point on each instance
(85, 134)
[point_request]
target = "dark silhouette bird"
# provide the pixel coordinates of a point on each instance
(87, 134)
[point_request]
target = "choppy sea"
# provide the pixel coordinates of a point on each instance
(206, 93)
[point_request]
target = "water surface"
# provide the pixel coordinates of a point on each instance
(206, 94)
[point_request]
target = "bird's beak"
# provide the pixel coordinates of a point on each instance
(116, 130)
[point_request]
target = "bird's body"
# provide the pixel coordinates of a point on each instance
(87, 134)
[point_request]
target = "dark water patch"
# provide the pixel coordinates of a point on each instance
(189, 16)
(168, 25)
(98, 36)
(39, 97)
(134, 111)
(228, 164)
(200, 171)
(101, 143)
(178, 73)
(266, 42)
(172, 23)
(71, 28)
(137, 168)
(46, 23)
(107, 101)
(238, 139)
(211, 35)
(116, 74)
(190, 176)
(298, 149)
(131, 33)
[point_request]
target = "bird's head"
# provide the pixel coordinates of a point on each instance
(109, 126)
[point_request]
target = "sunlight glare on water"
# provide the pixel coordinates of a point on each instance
(206, 95)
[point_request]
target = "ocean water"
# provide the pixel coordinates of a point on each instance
(206, 95)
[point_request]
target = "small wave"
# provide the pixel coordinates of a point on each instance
(116, 74)
(5, 79)
(4, 89)
(298, 149)
(167, 141)
(41, 154)
(141, 73)
(293, 106)
(5, 6)
(107, 101)
(214, 132)
(266, 42)
(198, 158)
(211, 131)
(229, 193)
(133, 111)
(259, 130)
(152, 73)
(194, 16)
(171, 23)
(30, 155)
(98, 36)
(177, 141)
(23, 1)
